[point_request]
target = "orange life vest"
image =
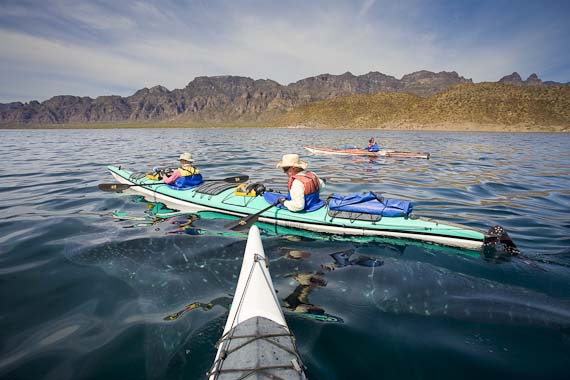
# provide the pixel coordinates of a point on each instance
(310, 182)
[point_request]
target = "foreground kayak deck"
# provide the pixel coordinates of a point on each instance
(256, 342)
(194, 200)
(363, 152)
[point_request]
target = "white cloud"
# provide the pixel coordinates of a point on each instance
(365, 7)
(334, 42)
(92, 15)
(53, 57)
(65, 66)
(146, 44)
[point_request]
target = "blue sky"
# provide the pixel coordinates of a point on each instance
(93, 48)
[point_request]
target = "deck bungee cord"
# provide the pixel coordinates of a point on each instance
(256, 338)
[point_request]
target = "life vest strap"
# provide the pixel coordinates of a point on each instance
(188, 170)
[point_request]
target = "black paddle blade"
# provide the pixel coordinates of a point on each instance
(113, 187)
(242, 224)
(237, 179)
(248, 221)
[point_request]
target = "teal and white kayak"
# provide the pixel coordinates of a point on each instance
(256, 342)
(223, 200)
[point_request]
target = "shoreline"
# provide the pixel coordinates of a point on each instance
(402, 127)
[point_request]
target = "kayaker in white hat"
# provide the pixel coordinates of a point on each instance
(186, 176)
(304, 187)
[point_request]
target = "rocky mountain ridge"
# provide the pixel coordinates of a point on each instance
(229, 98)
(532, 80)
(494, 106)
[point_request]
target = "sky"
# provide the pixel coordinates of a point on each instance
(95, 48)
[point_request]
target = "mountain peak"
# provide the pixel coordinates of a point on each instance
(533, 80)
(514, 78)
(158, 90)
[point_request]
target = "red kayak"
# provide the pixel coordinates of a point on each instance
(364, 152)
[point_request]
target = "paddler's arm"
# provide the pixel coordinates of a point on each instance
(170, 180)
(297, 192)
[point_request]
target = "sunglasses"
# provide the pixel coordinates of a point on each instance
(286, 169)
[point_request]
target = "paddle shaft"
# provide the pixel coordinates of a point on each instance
(124, 186)
(249, 220)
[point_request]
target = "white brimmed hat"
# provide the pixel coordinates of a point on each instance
(186, 157)
(292, 161)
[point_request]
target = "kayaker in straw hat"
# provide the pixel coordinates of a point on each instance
(186, 176)
(304, 187)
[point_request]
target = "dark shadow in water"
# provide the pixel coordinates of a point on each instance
(178, 267)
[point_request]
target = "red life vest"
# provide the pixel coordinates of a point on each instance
(310, 182)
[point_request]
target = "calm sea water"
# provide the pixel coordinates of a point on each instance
(84, 295)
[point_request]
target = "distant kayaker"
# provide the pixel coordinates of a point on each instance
(304, 187)
(372, 145)
(186, 176)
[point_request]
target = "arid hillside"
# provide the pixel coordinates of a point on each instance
(492, 106)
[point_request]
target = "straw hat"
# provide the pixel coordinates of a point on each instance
(292, 161)
(186, 157)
